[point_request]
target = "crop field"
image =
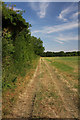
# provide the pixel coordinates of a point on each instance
(67, 66)
(52, 92)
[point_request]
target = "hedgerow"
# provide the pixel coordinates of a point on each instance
(19, 48)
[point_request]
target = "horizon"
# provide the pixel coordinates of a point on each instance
(63, 51)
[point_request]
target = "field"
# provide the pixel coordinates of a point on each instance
(51, 92)
(67, 66)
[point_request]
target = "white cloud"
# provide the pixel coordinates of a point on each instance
(57, 28)
(40, 8)
(60, 42)
(15, 9)
(63, 14)
(62, 27)
(68, 12)
(43, 8)
(75, 15)
(64, 38)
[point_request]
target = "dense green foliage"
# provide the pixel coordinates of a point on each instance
(37, 43)
(19, 48)
(60, 54)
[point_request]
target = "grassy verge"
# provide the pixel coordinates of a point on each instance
(11, 93)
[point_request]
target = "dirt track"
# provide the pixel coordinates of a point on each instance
(47, 95)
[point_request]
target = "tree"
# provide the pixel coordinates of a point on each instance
(37, 45)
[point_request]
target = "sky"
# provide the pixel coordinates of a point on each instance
(56, 23)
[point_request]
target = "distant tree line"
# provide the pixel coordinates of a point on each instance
(60, 54)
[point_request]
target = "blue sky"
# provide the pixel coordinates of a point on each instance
(56, 23)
